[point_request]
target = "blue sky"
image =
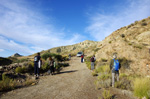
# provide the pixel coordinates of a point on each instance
(30, 26)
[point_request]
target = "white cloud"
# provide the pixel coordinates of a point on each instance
(1, 50)
(101, 25)
(25, 30)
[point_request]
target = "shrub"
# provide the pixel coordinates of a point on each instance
(107, 95)
(30, 67)
(7, 83)
(137, 46)
(45, 67)
(88, 64)
(46, 55)
(104, 60)
(143, 24)
(125, 64)
(135, 22)
(124, 83)
(104, 76)
(129, 43)
(58, 50)
(58, 57)
(142, 87)
(97, 49)
(122, 35)
(21, 69)
(94, 74)
(143, 20)
(109, 42)
(102, 69)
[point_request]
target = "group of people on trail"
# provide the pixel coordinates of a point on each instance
(38, 64)
(114, 67)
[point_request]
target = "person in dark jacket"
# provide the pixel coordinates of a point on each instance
(37, 58)
(51, 64)
(82, 58)
(93, 59)
(115, 71)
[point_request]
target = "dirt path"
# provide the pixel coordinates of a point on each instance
(74, 82)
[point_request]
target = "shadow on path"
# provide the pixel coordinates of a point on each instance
(68, 71)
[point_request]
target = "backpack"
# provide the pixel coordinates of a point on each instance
(116, 65)
(35, 58)
(92, 59)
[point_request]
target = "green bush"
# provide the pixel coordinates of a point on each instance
(109, 42)
(143, 24)
(21, 69)
(107, 95)
(97, 49)
(102, 69)
(129, 43)
(104, 76)
(88, 64)
(45, 67)
(137, 46)
(94, 74)
(142, 87)
(6, 83)
(30, 67)
(103, 60)
(47, 55)
(125, 63)
(124, 83)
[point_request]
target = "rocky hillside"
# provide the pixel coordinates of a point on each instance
(73, 49)
(131, 42)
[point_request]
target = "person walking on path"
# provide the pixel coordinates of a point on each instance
(82, 58)
(115, 66)
(51, 64)
(37, 64)
(93, 59)
(69, 56)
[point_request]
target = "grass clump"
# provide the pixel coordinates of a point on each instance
(21, 69)
(129, 43)
(109, 42)
(137, 46)
(102, 69)
(6, 83)
(104, 60)
(142, 87)
(88, 64)
(107, 95)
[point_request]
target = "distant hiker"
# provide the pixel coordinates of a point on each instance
(51, 64)
(82, 58)
(93, 59)
(37, 65)
(115, 66)
(69, 56)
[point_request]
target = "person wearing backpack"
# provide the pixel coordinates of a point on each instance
(93, 59)
(115, 66)
(37, 60)
(51, 64)
(82, 58)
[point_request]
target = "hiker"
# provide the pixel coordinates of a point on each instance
(51, 64)
(82, 58)
(37, 64)
(69, 56)
(115, 66)
(93, 59)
